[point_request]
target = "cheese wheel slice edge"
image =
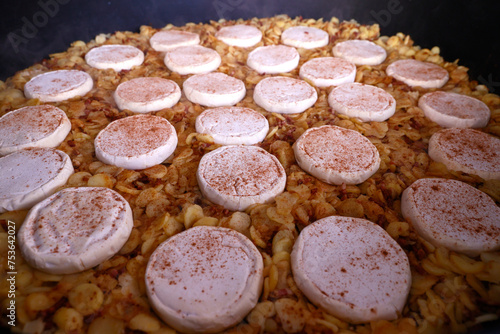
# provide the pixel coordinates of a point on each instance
(239, 176)
(328, 71)
(114, 56)
(273, 59)
(58, 85)
(204, 279)
(166, 40)
(192, 59)
(30, 175)
(33, 126)
(240, 35)
(366, 102)
(214, 89)
(336, 155)
(351, 268)
(452, 214)
(305, 37)
(360, 52)
(284, 95)
(147, 94)
(233, 125)
(467, 150)
(136, 142)
(418, 73)
(75, 229)
(452, 110)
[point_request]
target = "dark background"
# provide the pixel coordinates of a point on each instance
(465, 30)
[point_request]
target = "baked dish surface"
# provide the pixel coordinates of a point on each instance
(450, 292)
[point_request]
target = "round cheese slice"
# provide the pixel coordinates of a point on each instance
(167, 40)
(136, 142)
(452, 214)
(366, 102)
(239, 176)
(214, 89)
(58, 86)
(192, 59)
(33, 126)
(336, 155)
(273, 59)
(328, 71)
(351, 268)
(117, 57)
(241, 35)
(142, 95)
(305, 37)
(75, 229)
(466, 150)
(205, 279)
(418, 73)
(360, 52)
(233, 125)
(284, 95)
(452, 110)
(31, 175)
